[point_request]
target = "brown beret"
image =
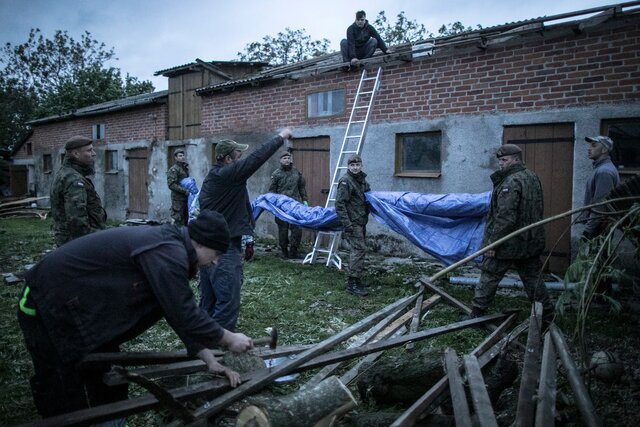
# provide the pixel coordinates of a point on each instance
(508, 150)
(77, 142)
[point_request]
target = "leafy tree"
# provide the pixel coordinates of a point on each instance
(403, 31)
(43, 77)
(455, 28)
(287, 47)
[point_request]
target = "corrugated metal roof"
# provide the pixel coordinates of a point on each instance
(109, 106)
(189, 66)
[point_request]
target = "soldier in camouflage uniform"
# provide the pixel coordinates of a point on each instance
(179, 194)
(516, 201)
(289, 181)
(353, 212)
(76, 208)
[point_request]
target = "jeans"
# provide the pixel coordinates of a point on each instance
(363, 52)
(220, 286)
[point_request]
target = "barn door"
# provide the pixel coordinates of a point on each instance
(548, 151)
(311, 157)
(19, 180)
(138, 183)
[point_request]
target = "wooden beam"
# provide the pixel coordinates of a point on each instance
(547, 387)
(479, 395)
(415, 320)
(456, 389)
(583, 401)
(530, 371)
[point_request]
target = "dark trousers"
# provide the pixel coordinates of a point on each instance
(283, 234)
(179, 212)
(59, 387)
(220, 286)
(530, 272)
(358, 249)
(363, 52)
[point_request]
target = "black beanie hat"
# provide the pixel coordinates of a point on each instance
(210, 229)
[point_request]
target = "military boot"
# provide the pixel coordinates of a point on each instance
(285, 251)
(293, 253)
(475, 312)
(355, 288)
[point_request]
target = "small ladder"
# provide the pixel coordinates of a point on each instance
(326, 244)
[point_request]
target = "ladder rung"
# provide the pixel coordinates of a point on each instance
(369, 78)
(349, 152)
(362, 106)
(353, 136)
(358, 121)
(366, 93)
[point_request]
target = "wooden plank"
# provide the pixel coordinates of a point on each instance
(456, 389)
(583, 401)
(547, 387)
(415, 320)
(412, 414)
(252, 386)
(478, 390)
(448, 298)
(530, 371)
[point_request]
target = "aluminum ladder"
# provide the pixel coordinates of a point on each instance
(327, 242)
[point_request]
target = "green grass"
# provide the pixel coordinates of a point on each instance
(307, 303)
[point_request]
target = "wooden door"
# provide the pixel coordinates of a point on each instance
(548, 151)
(311, 157)
(138, 183)
(19, 180)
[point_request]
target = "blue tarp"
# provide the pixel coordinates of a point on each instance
(448, 227)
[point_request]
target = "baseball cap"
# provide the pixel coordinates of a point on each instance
(604, 140)
(228, 146)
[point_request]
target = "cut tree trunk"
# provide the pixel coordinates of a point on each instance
(317, 406)
(401, 379)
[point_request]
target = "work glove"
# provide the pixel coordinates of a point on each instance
(306, 203)
(248, 251)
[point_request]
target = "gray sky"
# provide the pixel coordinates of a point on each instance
(157, 34)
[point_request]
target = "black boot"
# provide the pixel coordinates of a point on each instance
(285, 251)
(355, 288)
(475, 312)
(294, 252)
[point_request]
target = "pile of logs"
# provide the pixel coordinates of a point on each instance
(461, 391)
(25, 207)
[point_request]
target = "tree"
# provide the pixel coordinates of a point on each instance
(43, 77)
(403, 31)
(287, 47)
(455, 28)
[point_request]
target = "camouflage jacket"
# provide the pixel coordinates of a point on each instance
(289, 182)
(76, 208)
(516, 201)
(175, 174)
(351, 205)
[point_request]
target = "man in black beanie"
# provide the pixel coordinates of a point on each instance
(103, 289)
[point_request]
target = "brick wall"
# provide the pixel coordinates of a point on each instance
(598, 66)
(121, 126)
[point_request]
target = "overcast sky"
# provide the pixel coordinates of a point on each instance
(157, 34)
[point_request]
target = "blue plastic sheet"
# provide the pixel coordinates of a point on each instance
(448, 227)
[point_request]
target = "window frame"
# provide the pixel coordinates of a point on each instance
(330, 101)
(108, 161)
(47, 163)
(98, 131)
(426, 173)
(605, 126)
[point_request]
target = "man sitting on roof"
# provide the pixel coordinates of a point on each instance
(361, 42)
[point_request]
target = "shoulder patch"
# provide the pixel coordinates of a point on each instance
(80, 184)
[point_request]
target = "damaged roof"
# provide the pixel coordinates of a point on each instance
(109, 106)
(483, 38)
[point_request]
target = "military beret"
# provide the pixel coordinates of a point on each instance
(285, 154)
(178, 151)
(508, 150)
(77, 142)
(354, 159)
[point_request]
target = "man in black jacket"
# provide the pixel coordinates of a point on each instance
(225, 190)
(361, 42)
(98, 291)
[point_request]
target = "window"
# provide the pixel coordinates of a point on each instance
(62, 158)
(47, 165)
(325, 104)
(419, 154)
(111, 161)
(29, 149)
(98, 131)
(625, 134)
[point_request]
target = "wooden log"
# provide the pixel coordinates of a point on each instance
(456, 389)
(585, 405)
(547, 388)
(306, 407)
(415, 320)
(479, 395)
(530, 371)
(400, 379)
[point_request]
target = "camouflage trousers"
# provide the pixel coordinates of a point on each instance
(179, 212)
(530, 272)
(356, 241)
(283, 234)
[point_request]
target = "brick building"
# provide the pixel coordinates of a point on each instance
(443, 108)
